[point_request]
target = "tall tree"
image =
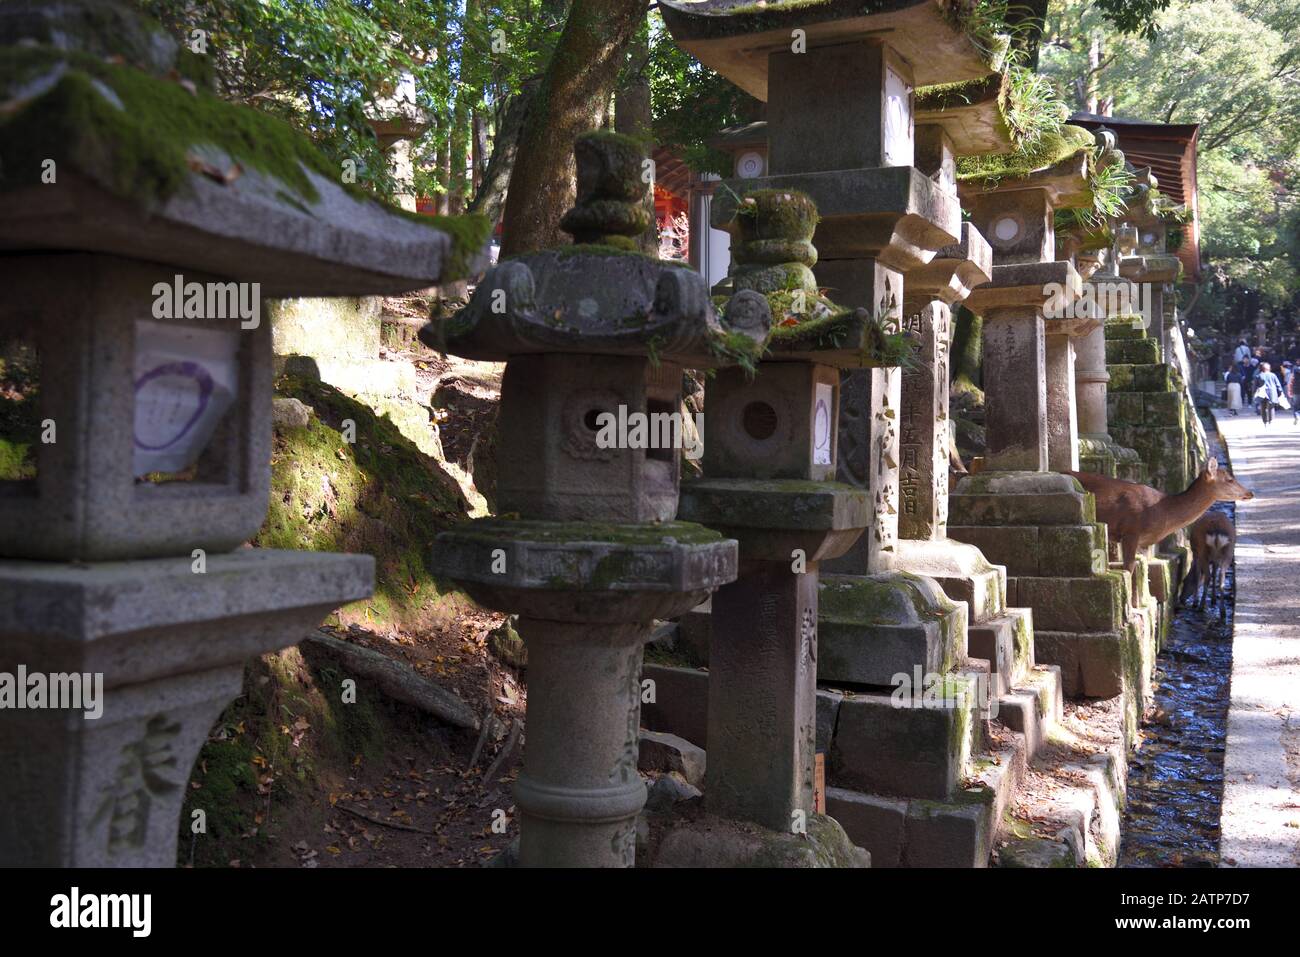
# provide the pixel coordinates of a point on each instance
(572, 98)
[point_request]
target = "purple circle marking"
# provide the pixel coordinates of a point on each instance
(191, 370)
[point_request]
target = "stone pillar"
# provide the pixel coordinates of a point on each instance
(1062, 420)
(762, 696)
(923, 443)
(1090, 378)
(1015, 389)
(580, 792)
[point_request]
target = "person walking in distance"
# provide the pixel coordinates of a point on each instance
(1268, 391)
(1241, 353)
(1234, 389)
(1292, 383)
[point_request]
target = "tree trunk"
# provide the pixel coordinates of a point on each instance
(479, 147)
(633, 117)
(490, 198)
(570, 100)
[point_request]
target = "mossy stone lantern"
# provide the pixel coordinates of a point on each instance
(595, 337)
(143, 221)
(769, 470)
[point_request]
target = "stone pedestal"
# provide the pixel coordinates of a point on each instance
(168, 646)
(762, 684)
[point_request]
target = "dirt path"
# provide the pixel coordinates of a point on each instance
(1261, 803)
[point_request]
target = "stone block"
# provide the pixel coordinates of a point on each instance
(1133, 351)
(680, 704)
(994, 641)
(694, 631)
(661, 751)
(1121, 378)
(962, 571)
(1068, 551)
(1164, 409)
(1094, 603)
(828, 711)
(1013, 547)
(904, 751)
(951, 834)
(1151, 378)
(871, 628)
(872, 821)
(1093, 665)
(1019, 498)
(1127, 408)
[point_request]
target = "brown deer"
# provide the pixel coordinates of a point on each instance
(1138, 516)
(1214, 540)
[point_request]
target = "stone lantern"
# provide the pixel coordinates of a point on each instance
(595, 337)
(145, 222)
(769, 469)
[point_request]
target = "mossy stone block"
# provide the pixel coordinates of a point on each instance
(1121, 377)
(1123, 328)
(1094, 603)
(1151, 378)
(1164, 409)
(1093, 665)
(1133, 351)
(1129, 408)
(1066, 550)
(1016, 547)
(1035, 508)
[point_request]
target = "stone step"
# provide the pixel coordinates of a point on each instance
(962, 571)
(1082, 604)
(1034, 707)
(1132, 351)
(873, 627)
(1006, 643)
(677, 703)
(904, 746)
(1066, 811)
(1037, 550)
(958, 832)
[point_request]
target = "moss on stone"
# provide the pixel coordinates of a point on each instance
(506, 528)
(380, 496)
(137, 135)
(1048, 151)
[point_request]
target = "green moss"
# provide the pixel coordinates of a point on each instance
(380, 496)
(501, 529)
(1047, 152)
(469, 236)
(142, 150)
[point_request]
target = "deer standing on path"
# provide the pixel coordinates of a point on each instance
(1214, 540)
(1138, 516)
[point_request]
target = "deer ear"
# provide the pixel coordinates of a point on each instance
(1211, 466)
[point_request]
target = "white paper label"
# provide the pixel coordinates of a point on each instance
(822, 424)
(185, 380)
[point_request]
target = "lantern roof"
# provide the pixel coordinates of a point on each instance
(734, 37)
(128, 153)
